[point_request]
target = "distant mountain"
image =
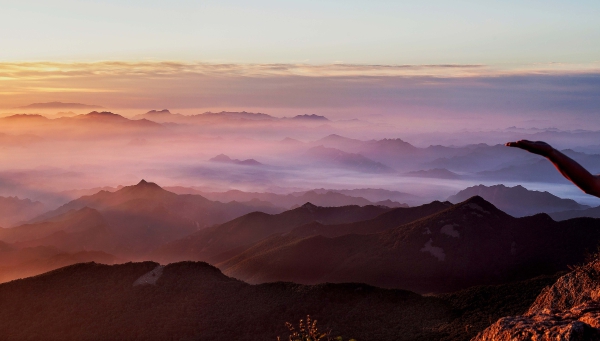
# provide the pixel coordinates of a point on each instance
(31, 261)
(139, 218)
(593, 212)
(161, 116)
(236, 115)
(14, 210)
(312, 117)
(85, 125)
(331, 157)
(375, 194)
(538, 169)
(340, 142)
(219, 242)
(471, 243)
(222, 158)
(60, 105)
(291, 142)
(437, 173)
(319, 197)
(518, 201)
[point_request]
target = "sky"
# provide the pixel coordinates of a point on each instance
(307, 31)
(481, 62)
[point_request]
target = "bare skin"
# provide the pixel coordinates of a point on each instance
(570, 169)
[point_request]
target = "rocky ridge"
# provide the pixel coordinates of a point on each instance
(569, 310)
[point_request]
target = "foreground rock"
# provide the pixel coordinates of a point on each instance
(569, 310)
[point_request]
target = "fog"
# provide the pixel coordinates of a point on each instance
(50, 155)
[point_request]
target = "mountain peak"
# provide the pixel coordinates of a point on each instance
(309, 205)
(142, 187)
(478, 203)
(102, 115)
(159, 112)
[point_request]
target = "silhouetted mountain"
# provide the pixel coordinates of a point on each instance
(593, 212)
(14, 210)
(319, 197)
(438, 173)
(340, 142)
(84, 229)
(385, 221)
(28, 118)
(312, 117)
(219, 242)
(30, 261)
(236, 115)
(331, 157)
(375, 194)
(106, 117)
(481, 157)
(470, 243)
(195, 301)
(60, 105)
(226, 159)
(519, 201)
(144, 216)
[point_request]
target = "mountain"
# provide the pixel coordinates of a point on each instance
(312, 117)
(593, 212)
(162, 116)
(195, 301)
(30, 261)
(144, 216)
(340, 142)
(375, 194)
(106, 117)
(318, 197)
(470, 243)
(14, 210)
(86, 222)
(437, 173)
(236, 115)
(518, 201)
(219, 242)
(60, 105)
(385, 221)
(331, 157)
(222, 158)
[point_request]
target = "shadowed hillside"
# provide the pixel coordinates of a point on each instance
(218, 243)
(195, 301)
(471, 243)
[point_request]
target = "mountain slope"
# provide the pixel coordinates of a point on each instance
(219, 242)
(140, 217)
(470, 243)
(518, 201)
(394, 218)
(331, 157)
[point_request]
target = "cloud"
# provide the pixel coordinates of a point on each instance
(530, 90)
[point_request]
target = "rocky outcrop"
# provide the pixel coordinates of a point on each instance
(569, 310)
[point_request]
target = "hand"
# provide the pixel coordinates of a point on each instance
(536, 147)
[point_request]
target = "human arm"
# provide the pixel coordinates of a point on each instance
(568, 167)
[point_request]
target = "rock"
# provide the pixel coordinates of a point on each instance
(569, 310)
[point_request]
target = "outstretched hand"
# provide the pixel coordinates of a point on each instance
(536, 147)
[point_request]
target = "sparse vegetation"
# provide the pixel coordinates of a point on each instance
(308, 331)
